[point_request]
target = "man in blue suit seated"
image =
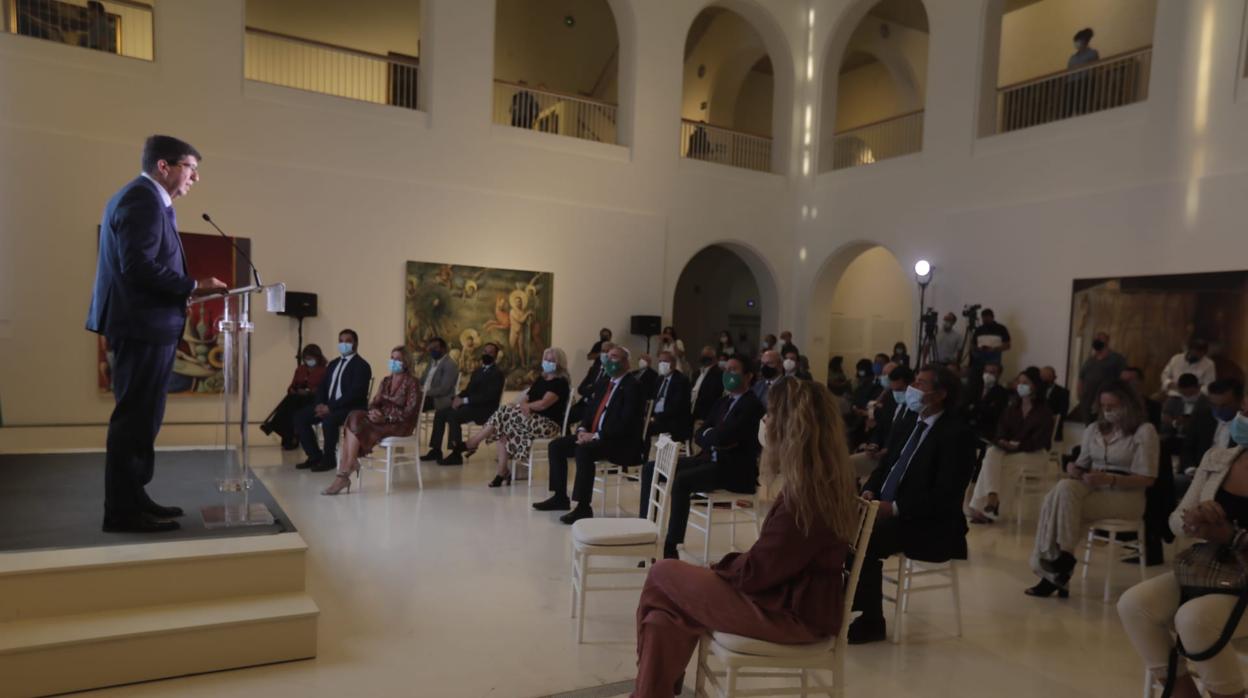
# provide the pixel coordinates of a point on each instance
(344, 388)
(139, 304)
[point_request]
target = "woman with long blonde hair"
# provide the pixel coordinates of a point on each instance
(788, 587)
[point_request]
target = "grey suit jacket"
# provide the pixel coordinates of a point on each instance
(445, 380)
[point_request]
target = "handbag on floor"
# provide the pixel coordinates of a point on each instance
(1208, 568)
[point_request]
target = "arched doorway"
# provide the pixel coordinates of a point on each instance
(725, 286)
(864, 302)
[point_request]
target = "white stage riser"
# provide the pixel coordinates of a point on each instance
(50, 583)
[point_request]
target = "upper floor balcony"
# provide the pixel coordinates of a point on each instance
(1111, 82)
(120, 27)
(545, 111)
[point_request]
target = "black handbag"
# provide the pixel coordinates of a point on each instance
(1203, 569)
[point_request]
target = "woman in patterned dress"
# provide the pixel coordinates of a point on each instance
(392, 412)
(538, 414)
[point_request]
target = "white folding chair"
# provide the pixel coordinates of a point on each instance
(702, 510)
(1107, 531)
(635, 539)
(399, 450)
(906, 583)
(540, 449)
(738, 655)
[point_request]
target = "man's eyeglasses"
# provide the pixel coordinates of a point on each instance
(191, 167)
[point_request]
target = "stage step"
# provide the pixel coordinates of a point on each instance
(42, 583)
(41, 656)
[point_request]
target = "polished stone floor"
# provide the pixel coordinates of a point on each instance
(460, 590)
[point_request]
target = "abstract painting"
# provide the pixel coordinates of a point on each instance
(200, 356)
(470, 306)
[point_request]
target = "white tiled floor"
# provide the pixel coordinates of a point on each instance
(461, 590)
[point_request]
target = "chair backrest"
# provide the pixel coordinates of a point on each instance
(567, 412)
(661, 486)
(1054, 444)
(866, 524)
(645, 422)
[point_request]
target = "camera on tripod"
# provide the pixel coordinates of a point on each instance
(928, 321)
(971, 313)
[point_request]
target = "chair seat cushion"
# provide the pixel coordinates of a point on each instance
(761, 648)
(400, 440)
(614, 532)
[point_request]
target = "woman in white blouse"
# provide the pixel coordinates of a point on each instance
(668, 341)
(1117, 462)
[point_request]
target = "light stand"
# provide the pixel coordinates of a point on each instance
(922, 276)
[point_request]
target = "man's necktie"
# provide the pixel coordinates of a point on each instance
(889, 491)
(602, 406)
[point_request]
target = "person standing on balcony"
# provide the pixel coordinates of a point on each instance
(524, 108)
(1079, 84)
(1084, 53)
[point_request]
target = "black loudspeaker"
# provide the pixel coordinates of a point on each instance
(300, 305)
(646, 325)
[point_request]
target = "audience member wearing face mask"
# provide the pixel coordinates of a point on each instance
(948, 339)
(1117, 462)
(393, 411)
(707, 385)
(985, 402)
(593, 375)
(1194, 361)
(299, 394)
(770, 369)
(475, 403)
(344, 389)
(792, 365)
(888, 410)
(646, 376)
(1026, 426)
(1214, 509)
(1102, 365)
(672, 396)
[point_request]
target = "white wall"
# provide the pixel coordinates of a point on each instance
(531, 43)
(376, 26)
(753, 113)
(728, 49)
(1037, 39)
(871, 308)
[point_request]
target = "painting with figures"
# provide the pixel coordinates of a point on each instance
(470, 306)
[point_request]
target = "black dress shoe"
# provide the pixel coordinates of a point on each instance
(555, 503)
(290, 444)
(322, 466)
(1045, 589)
(311, 461)
(266, 428)
(580, 512)
(138, 523)
(865, 630)
(432, 454)
(161, 512)
(670, 552)
(453, 459)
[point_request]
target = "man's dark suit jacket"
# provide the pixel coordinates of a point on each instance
(354, 380)
(732, 435)
(141, 280)
(590, 381)
(676, 419)
(884, 419)
(929, 497)
(485, 389)
(647, 379)
(985, 408)
(710, 392)
(620, 435)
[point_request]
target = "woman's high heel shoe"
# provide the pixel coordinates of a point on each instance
(1045, 589)
(340, 483)
(499, 480)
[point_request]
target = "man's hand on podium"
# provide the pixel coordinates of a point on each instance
(204, 287)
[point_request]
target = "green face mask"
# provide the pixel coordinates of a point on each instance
(732, 381)
(612, 367)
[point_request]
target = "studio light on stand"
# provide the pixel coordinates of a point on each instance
(923, 277)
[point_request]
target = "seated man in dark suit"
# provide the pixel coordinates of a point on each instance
(671, 401)
(1056, 398)
(708, 384)
(985, 404)
(646, 376)
(889, 409)
(475, 403)
(588, 383)
(611, 431)
(344, 388)
(729, 456)
(919, 486)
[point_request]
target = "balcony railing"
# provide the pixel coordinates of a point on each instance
(120, 27)
(1112, 82)
(314, 66)
(899, 135)
(524, 107)
(699, 141)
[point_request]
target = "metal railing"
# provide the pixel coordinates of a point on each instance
(305, 64)
(699, 141)
(525, 107)
(889, 138)
(120, 27)
(1111, 82)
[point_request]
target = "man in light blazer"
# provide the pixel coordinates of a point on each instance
(139, 304)
(440, 381)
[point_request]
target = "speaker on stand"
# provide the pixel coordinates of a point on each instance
(300, 306)
(646, 326)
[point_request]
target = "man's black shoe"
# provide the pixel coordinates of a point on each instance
(311, 461)
(670, 552)
(433, 454)
(555, 503)
(865, 630)
(322, 466)
(160, 512)
(580, 512)
(453, 459)
(138, 523)
(266, 428)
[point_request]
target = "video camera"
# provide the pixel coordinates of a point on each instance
(971, 313)
(928, 321)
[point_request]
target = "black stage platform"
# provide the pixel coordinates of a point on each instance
(57, 500)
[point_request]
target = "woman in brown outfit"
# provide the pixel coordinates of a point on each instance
(788, 588)
(392, 412)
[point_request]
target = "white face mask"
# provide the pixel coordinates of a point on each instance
(723, 365)
(643, 364)
(990, 379)
(1024, 390)
(789, 365)
(665, 367)
(310, 363)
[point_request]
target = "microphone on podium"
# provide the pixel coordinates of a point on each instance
(255, 272)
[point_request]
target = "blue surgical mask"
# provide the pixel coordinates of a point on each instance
(345, 348)
(602, 357)
(549, 366)
(914, 399)
(396, 366)
(1024, 390)
(883, 381)
(1239, 430)
(899, 396)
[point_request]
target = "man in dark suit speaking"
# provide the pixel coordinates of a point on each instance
(139, 304)
(919, 485)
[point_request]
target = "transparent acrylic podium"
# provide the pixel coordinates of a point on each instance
(234, 484)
